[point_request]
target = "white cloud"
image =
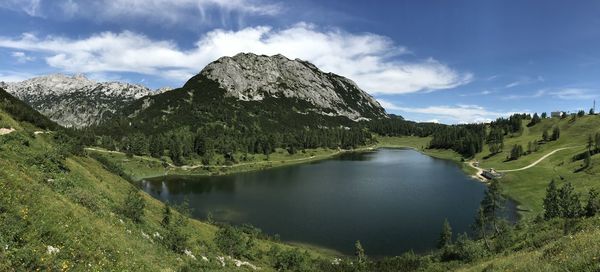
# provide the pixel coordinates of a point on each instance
(537, 94)
(575, 94)
(22, 57)
(564, 94)
(524, 81)
(454, 114)
(152, 11)
(481, 93)
(370, 60)
(30, 7)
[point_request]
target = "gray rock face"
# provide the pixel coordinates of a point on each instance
(251, 77)
(75, 101)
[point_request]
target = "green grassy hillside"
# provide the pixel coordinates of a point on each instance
(63, 210)
(528, 187)
(533, 244)
(60, 211)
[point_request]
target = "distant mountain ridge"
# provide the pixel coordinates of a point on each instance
(295, 89)
(75, 101)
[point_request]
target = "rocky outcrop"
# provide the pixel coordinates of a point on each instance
(250, 77)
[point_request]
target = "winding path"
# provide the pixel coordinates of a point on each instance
(535, 162)
(480, 170)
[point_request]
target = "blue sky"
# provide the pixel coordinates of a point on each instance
(445, 61)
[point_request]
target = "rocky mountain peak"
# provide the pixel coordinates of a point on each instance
(251, 77)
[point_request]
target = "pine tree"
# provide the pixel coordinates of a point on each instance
(551, 202)
(555, 133)
(590, 143)
(593, 204)
(445, 236)
(156, 147)
(492, 203)
(166, 220)
(516, 152)
(359, 253)
(545, 136)
(535, 120)
(570, 206)
(480, 226)
(587, 160)
(544, 115)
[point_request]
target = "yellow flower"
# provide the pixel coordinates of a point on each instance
(65, 266)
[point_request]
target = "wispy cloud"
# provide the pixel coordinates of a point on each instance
(536, 94)
(459, 113)
(29, 7)
(564, 94)
(491, 78)
(150, 11)
(22, 57)
(481, 93)
(524, 81)
(575, 94)
(373, 61)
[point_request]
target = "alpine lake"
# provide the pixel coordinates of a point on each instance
(392, 200)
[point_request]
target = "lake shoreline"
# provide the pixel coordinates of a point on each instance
(331, 189)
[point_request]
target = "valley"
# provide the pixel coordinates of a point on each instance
(212, 176)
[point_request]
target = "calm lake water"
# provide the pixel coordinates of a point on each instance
(392, 200)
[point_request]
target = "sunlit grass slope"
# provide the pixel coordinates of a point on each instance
(65, 214)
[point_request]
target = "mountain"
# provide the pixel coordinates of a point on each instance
(250, 77)
(255, 92)
(75, 101)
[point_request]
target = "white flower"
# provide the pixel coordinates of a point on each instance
(52, 250)
(221, 259)
(189, 254)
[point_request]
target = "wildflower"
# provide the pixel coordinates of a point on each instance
(52, 250)
(189, 254)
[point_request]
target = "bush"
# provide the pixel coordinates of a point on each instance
(408, 261)
(290, 260)
(468, 250)
(134, 204)
(50, 162)
(232, 241)
(175, 238)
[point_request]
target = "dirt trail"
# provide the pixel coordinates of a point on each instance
(480, 170)
(536, 162)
